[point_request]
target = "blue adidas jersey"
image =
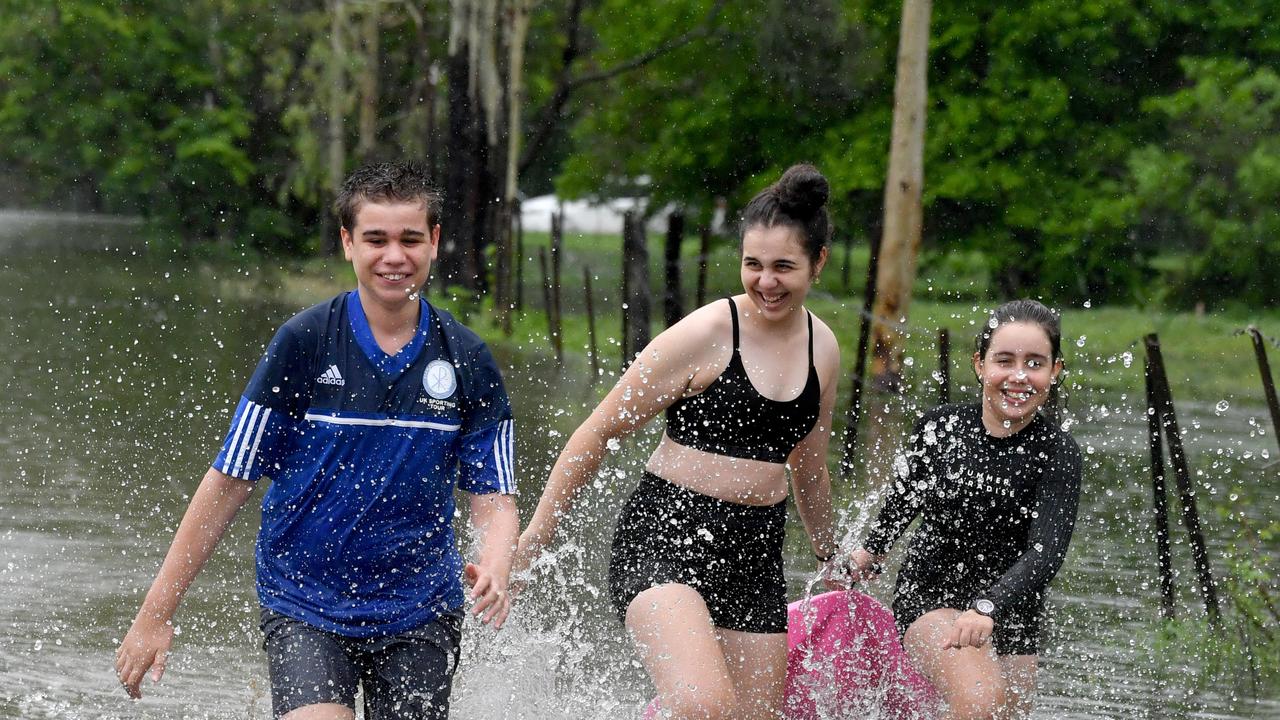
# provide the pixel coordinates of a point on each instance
(364, 451)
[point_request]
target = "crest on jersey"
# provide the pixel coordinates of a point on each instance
(439, 379)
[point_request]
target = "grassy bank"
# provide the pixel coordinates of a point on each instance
(1207, 359)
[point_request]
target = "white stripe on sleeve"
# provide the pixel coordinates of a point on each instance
(252, 430)
(235, 441)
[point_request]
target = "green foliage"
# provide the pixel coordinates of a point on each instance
(1214, 186)
(1035, 108)
(1068, 142)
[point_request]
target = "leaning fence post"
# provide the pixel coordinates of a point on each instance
(1268, 385)
(1186, 492)
(1159, 494)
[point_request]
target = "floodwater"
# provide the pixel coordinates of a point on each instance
(119, 377)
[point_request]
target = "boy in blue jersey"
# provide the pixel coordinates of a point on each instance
(365, 412)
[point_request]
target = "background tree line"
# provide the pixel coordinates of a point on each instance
(1113, 150)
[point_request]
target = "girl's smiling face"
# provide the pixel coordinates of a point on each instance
(1016, 374)
(776, 270)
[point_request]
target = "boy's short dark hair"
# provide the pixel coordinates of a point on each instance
(386, 182)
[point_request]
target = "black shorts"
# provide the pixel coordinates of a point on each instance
(406, 675)
(730, 553)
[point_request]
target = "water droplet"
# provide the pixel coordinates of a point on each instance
(1222, 406)
(1080, 341)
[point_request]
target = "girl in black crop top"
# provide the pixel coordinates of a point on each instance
(995, 485)
(748, 387)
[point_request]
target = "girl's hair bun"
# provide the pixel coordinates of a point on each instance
(802, 191)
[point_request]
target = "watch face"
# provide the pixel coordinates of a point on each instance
(984, 606)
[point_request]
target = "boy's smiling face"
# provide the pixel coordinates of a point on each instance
(391, 248)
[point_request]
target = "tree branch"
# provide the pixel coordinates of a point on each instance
(552, 113)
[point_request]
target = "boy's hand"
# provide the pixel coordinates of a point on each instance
(145, 647)
(489, 591)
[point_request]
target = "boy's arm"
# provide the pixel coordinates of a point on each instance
(495, 518)
(215, 503)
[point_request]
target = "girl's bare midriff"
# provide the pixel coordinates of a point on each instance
(747, 482)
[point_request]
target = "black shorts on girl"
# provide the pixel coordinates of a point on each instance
(730, 553)
(406, 676)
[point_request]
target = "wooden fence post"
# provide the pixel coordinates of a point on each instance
(635, 283)
(557, 253)
(1186, 491)
(1268, 385)
(944, 366)
(519, 225)
(1159, 495)
(591, 324)
(854, 416)
(552, 330)
(672, 300)
(704, 251)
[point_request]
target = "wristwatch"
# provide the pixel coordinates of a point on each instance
(983, 606)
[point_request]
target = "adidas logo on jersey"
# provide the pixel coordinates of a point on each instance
(332, 377)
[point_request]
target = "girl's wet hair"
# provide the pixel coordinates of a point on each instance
(1026, 311)
(798, 199)
(387, 182)
(1034, 313)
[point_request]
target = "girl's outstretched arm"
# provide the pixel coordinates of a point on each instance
(659, 376)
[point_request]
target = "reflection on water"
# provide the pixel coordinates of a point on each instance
(121, 374)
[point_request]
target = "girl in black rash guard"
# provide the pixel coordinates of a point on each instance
(996, 485)
(749, 386)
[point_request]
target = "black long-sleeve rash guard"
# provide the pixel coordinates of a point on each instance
(997, 512)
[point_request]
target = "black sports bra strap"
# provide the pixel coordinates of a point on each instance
(733, 313)
(810, 337)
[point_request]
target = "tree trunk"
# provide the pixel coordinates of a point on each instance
(518, 29)
(368, 137)
(471, 215)
(335, 139)
(900, 244)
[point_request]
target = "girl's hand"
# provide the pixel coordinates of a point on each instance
(488, 587)
(863, 566)
(835, 572)
(971, 629)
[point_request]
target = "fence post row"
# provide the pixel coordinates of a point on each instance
(1186, 492)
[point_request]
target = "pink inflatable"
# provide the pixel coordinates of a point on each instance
(844, 660)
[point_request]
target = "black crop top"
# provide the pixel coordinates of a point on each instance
(730, 417)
